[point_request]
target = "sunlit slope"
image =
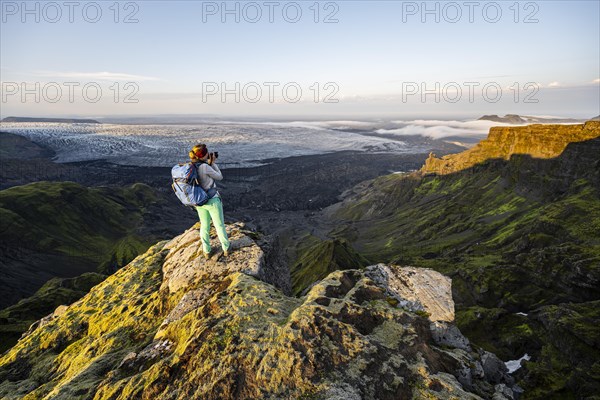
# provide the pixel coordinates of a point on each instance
(538, 141)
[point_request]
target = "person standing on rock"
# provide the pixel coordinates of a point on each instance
(208, 172)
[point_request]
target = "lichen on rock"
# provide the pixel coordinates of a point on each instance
(172, 325)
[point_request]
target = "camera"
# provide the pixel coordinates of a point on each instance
(214, 155)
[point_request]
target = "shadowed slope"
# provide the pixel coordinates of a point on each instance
(64, 229)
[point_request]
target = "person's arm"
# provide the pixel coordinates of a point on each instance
(214, 172)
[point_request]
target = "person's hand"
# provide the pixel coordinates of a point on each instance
(211, 159)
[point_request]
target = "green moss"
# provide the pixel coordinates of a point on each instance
(498, 331)
(118, 315)
(123, 252)
(317, 258)
(548, 377)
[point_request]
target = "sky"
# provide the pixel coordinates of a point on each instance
(302, 59)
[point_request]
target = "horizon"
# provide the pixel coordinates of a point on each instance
(181, 118)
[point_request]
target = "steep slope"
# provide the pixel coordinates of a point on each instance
(318, 258)
(173, 325)
(518, 234)
(62, 229)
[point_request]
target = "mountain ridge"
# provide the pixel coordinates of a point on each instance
(515, 233)
(527, 119)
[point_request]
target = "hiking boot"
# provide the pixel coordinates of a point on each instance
(225, 253)
(207, 255)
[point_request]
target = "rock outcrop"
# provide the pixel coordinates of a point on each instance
(172, 325)
(538, 141)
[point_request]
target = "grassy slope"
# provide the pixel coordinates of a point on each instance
(517, 236)
(316, 258)
(91, 225)
(63, 229)
(70, 219)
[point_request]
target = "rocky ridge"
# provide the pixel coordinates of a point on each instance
(539, 141)
(172, 325)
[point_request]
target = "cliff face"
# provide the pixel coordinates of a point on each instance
(172, 325)
(538, 141)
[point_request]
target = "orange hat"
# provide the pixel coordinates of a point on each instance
(198, 151)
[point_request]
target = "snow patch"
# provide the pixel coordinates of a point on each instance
(514, 365)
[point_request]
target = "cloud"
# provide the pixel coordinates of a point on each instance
(438, 129)
(97, 76)
(553, 84)
(493, 77)
(322, 125)
(597, 80)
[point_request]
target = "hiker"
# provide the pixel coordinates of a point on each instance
(208, 172)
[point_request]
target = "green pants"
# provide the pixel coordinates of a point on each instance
(212, 209)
